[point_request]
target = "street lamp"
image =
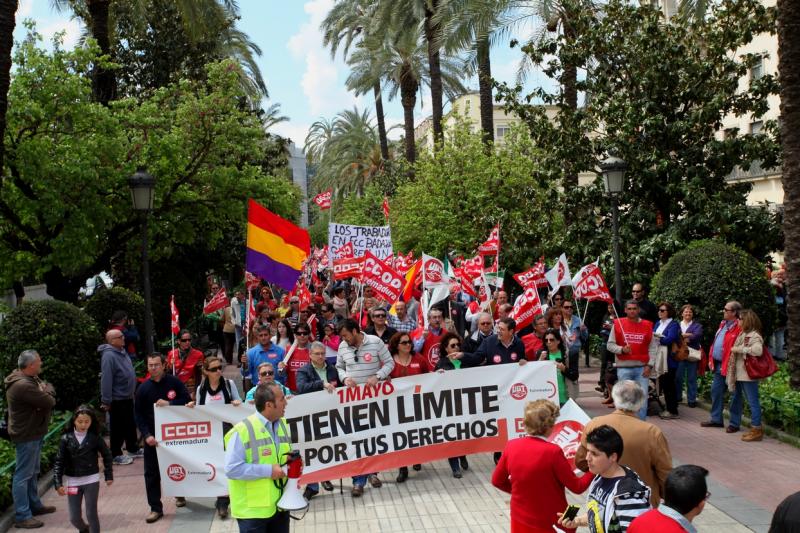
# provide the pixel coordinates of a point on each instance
(143, 187)
(613, 170)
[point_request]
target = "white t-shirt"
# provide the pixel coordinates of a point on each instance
(219, 398)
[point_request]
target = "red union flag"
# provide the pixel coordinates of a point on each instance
(251, 281)
(323, 199)
(433, 273)
(385, 280)
(533, 277)
(345, 251)
(347, 267)
(385, 207)
(492, 244)
(473, 267)
(588, 284)
(559, 275)
(527, 306)
(464, 282)
(176, 321)
(219, 301)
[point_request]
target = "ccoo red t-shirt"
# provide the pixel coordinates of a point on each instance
(417, 365)
(299, 359)
(430, 348)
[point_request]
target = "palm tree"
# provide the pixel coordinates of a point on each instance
(8, 20)
(789, 73)
(320, 133)
(272, 116)
(200, 17)
(344, 24)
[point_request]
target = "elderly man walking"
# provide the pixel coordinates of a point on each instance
(30, 404)
(117, 385)
(646, 450)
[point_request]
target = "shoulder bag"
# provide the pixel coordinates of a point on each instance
(760, 367)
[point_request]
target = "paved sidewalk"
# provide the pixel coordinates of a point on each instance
(747, 481)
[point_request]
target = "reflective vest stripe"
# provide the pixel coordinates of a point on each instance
(254, 443)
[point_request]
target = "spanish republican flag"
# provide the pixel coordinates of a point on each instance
(276, 248)
(412, 280)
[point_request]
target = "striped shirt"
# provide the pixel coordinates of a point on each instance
(406, 325)
(372, 358)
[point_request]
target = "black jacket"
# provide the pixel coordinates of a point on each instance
(308, 379)
(493, 352)
(77, 460)
(473, 341)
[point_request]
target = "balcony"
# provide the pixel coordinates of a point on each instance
(754, 172)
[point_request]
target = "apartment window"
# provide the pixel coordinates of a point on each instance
(502, 131)
(755, 127)
(757, 70)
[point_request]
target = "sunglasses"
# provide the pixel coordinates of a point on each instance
(379, 316)
(185, 340)
(404, 342)
(215, 369)
(267, 373)
(662, 310)
(567, 307)
(454, 345)
(301, 333)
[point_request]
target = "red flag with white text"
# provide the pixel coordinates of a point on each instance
(323, 199)
(527, 306)
(386, 281)
(219, 301)
(250, 316)
(251, 281)
(492, 245)
(589, 284)
(345, 251)
(347, 267)
(473, 267)
(534, 276)
(176, 321)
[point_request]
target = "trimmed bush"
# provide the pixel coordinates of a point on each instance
(707, 274)
(67, 340)
(103, 303)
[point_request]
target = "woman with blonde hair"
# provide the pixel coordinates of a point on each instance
(532, 465)
(749, 343)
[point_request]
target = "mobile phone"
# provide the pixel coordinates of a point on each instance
(571, 512)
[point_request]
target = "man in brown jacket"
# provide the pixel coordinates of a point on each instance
(646, 450)
(30, 403)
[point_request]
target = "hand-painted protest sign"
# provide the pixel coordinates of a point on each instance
(376, 239)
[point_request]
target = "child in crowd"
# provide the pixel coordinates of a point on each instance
(76, 472)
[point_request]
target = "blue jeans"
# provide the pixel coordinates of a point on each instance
(360, 481)
(24, 486)
(718, 388)
(635, 374)
(749, 389)
(777, 343)
(689, 369)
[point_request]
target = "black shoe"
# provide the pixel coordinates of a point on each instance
(309, 493)
(417, 467)
(464, 463)
(457, 474)
(712, 424)
(45, 509)
(692, 404)
(327, 485)
(402, 476)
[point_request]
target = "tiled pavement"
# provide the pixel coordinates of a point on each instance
(747, 481)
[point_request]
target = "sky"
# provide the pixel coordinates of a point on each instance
(299, 72)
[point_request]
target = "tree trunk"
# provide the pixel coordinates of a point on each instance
(569, 87)
(104, 81)
(8, 14)
(376, 90)
(485, 89)
(61, 287)
(408, 98)
(789, 74)
(432, 36)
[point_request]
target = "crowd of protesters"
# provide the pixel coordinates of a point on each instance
(295, 347)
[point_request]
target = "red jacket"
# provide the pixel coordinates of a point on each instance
(653, 521)
(536, 472)
(184, 370)
(727, 344)
(533, 345)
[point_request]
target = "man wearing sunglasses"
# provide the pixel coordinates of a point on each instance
(263, 352)
(362, 359)
(484, 330)
(379, 327)
(184, 360)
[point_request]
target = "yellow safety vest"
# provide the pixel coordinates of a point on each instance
(258, 498)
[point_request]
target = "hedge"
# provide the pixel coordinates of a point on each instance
(67, 340)
(104, 302)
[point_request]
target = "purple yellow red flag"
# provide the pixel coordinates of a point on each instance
(276, 248)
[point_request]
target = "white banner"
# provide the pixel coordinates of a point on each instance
(364, 429)
(376, 239)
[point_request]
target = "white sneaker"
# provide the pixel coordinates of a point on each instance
(139, 453)
(123, 460)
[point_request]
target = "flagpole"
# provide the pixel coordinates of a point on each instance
(172, 338)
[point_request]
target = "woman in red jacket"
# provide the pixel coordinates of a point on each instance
(532, 465)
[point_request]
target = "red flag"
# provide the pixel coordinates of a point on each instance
(492, 245)
(527, 306)
(345, 251)
(176, 321)
(588, 284)
(251, 314)
(251, 281)
(385, 207)
(464, 282)
(303, 294)
(533, 277)
(385, 280)
(347, 267)
(473, 267)
(323, 199)
(219, 301)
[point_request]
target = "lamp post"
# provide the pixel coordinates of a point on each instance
(142, 187)
(613, 170)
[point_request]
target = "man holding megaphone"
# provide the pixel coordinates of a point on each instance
(255, 450)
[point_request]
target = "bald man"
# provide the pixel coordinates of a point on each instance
(117, 385)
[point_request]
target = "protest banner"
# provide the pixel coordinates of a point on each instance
(348, 267)
(386, 281)
(364, 429)
(376, 239)
(534, 276)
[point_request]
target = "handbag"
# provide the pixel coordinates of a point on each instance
(760, 367)
(694, 355)
(680, 349)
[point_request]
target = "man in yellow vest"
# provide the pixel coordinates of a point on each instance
(255, 449)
